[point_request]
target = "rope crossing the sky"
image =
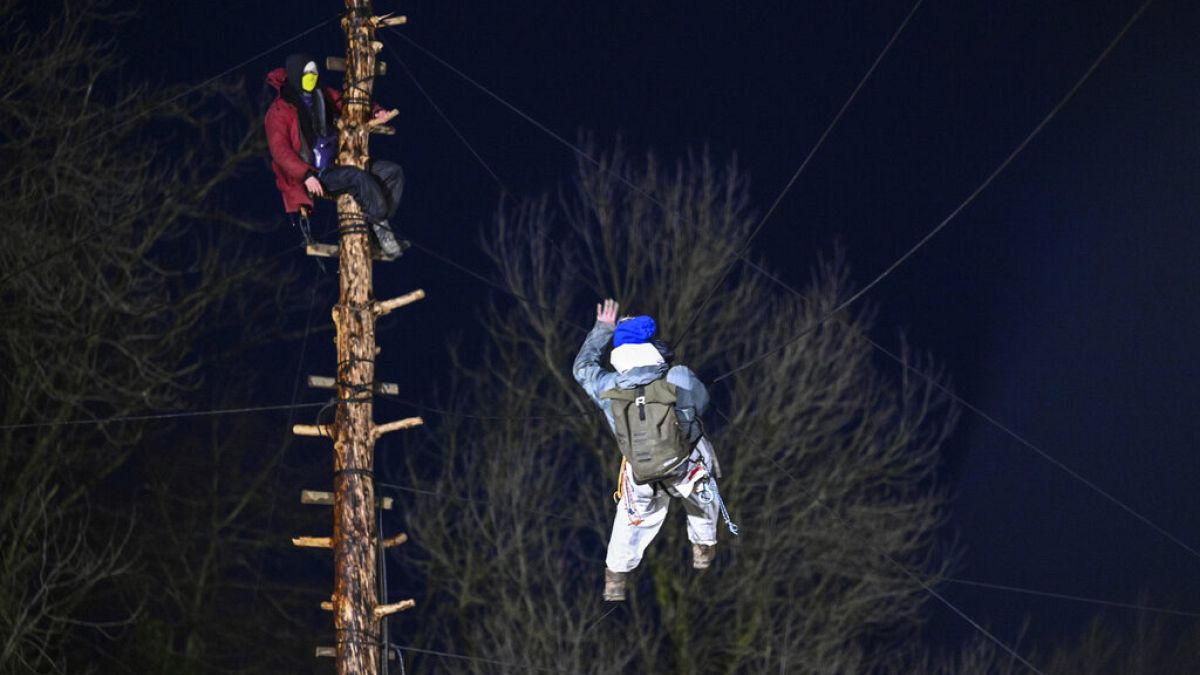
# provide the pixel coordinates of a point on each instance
(160, 416)
(745, 246)
(886, 272)
(964, 204)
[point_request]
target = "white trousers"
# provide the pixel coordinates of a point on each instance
(643, 508)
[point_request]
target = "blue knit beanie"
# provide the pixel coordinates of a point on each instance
(637, 330)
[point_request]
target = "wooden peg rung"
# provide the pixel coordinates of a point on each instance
(377, 46)
(387, 306)
(406, 423)
(313, 542)
(327, 605)
(322, 250)
(395, 540)
(383, 130)
(384, 610)
(322, 382)
(318, 498)
(313, 430)
(326, 652)
(389, 20)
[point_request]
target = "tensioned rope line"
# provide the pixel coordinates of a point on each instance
(975, 409)
(1042, 453)
(468, 271)
(739, 250)
(899, 360)
(445, 118)
(966, 202)
(130, 120)
(999, 425)
(921, 243)
(542, 127)
(163, 416)
(903, 568)
(900, 261)
(1073, 598)
(449, 655)
(225, 72)
(499, 99)
(454, 413)
(201, 413)
(964, 582)
(1045, 455)
(928, 589)
(471, 500)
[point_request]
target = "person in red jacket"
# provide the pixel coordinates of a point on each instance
(302, 136)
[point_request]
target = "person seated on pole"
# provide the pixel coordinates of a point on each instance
(302, 136)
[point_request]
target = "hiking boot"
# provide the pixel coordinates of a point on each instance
(702, 555)
(389, 248)
(614, 585)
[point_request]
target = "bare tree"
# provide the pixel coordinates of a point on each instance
(1142, 646)
(829, 462)
(110, 273)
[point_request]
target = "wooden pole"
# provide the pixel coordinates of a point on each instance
(354, 526)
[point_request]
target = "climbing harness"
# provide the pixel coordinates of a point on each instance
(704, 487)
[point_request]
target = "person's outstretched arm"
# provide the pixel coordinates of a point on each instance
(588, 371)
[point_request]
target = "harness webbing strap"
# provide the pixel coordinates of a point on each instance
(620, 492)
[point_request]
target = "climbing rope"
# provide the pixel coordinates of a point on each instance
(733, 528)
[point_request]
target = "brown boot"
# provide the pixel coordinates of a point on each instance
(702, 555)
(614, 585)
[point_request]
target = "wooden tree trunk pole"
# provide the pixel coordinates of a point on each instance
(354, 528)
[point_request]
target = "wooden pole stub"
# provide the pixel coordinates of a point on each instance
(406, 423)
(313, 542)
(386, 306)
(389, 20)
(313, 430)
(384, 610)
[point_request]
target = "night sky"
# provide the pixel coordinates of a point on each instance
(1060, 302)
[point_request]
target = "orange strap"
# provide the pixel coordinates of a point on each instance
(620, 482)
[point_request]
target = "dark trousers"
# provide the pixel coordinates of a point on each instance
(377, 192)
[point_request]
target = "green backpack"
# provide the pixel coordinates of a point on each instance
(648, 430)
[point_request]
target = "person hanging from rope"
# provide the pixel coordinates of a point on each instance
(302, 137)
(654, 410)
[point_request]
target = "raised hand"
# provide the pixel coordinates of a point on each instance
(385, 116)
(606, 312)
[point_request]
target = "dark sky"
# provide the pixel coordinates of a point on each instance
(1061, 301)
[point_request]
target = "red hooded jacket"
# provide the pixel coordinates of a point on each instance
(285, 141)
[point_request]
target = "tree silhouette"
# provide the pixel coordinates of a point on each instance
(829, 463)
